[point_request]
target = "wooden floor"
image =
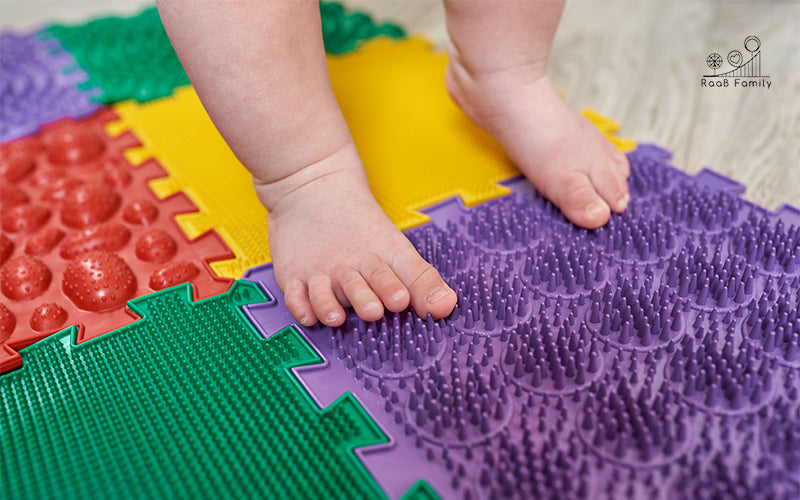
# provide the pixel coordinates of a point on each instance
(641, 63)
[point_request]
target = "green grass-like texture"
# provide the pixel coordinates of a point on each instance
(188, 402)
(132, 58)
(125, 58)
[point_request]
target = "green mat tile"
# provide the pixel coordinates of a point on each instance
(188, 402)
(132, 58)
(342, 30)
(420, 491)
(125, 58)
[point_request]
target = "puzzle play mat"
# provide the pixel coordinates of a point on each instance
(146, 352)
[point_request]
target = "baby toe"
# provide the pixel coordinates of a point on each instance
(360, 295)
(621, 165)
(296, 297)
(385, 283)
(575, 195)
(323, 301)
(610, 185)
(429, 293)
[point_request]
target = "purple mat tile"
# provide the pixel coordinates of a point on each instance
(35, 88)
(656, 357)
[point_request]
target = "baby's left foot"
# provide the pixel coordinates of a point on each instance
(563, 155)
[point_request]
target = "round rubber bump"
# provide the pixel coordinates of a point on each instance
(98, 281)
(173, 274)
(43, 242)
(7, 323)
(11, 196)
(156, 245)
(88, 205)
(6, 248)
(16, 166)
(24, 277)
(115, 174)
(48, 317)
(140, 213)
(75, 147)
(107, 237)
(25, 219)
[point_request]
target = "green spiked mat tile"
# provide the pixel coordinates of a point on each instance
(132, 58)
(125, 58)
(420, 491)
(188, 402)
(343, 30)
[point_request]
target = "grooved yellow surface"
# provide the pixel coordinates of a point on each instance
(418, 148)
(609, 128)
(178, 133)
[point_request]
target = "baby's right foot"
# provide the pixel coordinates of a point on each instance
(566, 158)
(333, 246)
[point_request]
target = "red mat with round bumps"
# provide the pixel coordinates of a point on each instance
(82, 234)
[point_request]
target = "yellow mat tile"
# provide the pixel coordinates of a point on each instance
(178, 133)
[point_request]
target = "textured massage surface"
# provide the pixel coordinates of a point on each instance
(657, 357)
(82, 234)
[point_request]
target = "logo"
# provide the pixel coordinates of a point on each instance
(742, 71)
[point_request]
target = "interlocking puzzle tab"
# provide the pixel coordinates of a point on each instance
(655, 357)
(81, 234)
(34, 89)
(187, 402)
(200, 165)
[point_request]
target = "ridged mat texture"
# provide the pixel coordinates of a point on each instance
(188, 402)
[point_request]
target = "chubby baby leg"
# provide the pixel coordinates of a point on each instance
(260, 70)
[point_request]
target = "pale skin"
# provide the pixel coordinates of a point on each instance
(259, 68)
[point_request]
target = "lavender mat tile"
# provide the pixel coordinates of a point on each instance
(657, 357)
(38, 85)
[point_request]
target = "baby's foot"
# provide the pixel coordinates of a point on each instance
(333, 246)
(563, 155)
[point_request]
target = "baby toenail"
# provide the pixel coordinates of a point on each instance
(593, 208)
(623, 202)
(370, 305)
(398, 295)
(331, 317)
(304, 321)
(436, 295)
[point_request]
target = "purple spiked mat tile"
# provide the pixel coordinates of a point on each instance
(658, 356)
(38, 85)
(788, 214)
(717, 181)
